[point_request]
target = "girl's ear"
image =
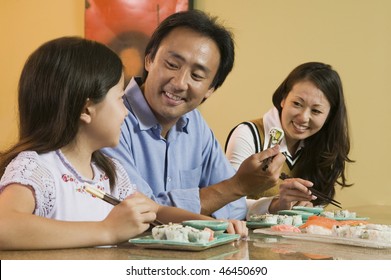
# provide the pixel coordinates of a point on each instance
(87, 111)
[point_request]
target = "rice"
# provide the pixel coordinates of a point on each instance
(180, 233)
(373, 232)
(339, 214)
(264, 218)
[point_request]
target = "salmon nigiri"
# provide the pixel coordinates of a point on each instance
(329, 223)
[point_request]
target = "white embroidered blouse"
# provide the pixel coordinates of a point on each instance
(59, 189)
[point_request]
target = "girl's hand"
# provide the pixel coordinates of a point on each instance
(129, 218)
(237, 227)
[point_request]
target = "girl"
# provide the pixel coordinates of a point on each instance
(309, 106)
(70, 106)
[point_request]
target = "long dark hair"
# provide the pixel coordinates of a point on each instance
(325, 153)
(202, 23)
(54, 86)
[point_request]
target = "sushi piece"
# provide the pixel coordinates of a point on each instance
(344, 214)
(323, 225)
(159, 232)
(180, 233)
(327, 214)
(339, 214)
(373, 232)
(297, 220)
(200, 236)
(264, 218)
(285, 220)
(319, 222)
(276, 135)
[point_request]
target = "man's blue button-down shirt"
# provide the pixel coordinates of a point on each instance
(171, 171)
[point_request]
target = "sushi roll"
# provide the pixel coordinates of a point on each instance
(285, 220)
(159, 232)
(297, 220)
(316, 229)
(327, 214)
(200, 236)
(180, 233)
(264, 218)
(344, 214)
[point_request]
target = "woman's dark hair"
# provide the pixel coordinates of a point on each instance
(325, 153)
(200, 22)
(56, 81)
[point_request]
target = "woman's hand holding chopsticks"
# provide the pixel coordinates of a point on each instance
(291, 192)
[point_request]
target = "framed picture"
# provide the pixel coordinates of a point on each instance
(126, 26)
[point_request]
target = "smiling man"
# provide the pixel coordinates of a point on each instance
(167, 148)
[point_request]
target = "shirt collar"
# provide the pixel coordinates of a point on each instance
(139, 107)
(272, 119)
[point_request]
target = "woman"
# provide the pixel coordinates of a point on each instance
(309, 107)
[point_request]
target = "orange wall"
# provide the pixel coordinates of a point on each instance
(24, 25)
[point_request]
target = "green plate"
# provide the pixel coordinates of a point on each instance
(251, 224)
(350, 219)
(304, 214)
(149, 242)
(201, 224)
(315, 210)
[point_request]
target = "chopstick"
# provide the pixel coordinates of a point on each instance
(269, 160)
(319, 194)
(110, 199)
(102, 195)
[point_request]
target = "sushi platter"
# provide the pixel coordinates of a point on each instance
(300, 214)
(327, 239)
(150, 242)
(192, 235)
(268, 220)
(348, 230)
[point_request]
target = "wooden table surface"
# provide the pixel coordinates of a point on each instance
(257, 247)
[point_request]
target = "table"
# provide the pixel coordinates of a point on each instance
(257, 247)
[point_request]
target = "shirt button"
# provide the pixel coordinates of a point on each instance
(168, 179)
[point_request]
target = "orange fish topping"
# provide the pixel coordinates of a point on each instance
(329, 223)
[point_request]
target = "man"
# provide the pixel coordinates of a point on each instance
(166, 146)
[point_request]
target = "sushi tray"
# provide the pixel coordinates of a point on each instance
(299, 215)
(327, 239)
(150, 242)
(268, 220)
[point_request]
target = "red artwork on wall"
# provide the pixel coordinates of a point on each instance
(126, 26)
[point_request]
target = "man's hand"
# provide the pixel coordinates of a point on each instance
(251, 179)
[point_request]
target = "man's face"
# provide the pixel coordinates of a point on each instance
(180, 75)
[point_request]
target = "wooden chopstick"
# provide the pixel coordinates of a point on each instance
(110, 199)
(319, 194)
(269, 160)
(156, 223)
(324, 197)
